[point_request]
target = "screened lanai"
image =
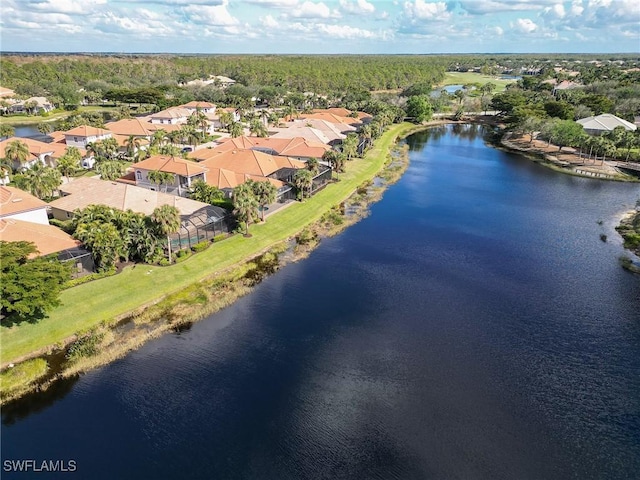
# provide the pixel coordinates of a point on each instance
(202, 225)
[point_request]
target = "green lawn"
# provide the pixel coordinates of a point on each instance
(87, 305)
(462, 78)
(36, 119)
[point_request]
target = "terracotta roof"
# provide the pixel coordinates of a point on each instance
(87, 131)
(13, 201)
(173, 112)
(222, 178)
(342, 112)
(47, 238)
(6, 92)
(250, 162)
(179, 166)
(122, 140)
(198, 105)
(85, 191)
(57, 136)
(131, 126)
(294, 147)
(309, 133)
(333, 131)
(167, 127)
(36, 147)
(330, 117)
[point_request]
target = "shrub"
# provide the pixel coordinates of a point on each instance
(305, 237)
(201, 246)
(220, 237)
(89, 278)
(65, 225)
(85, 346)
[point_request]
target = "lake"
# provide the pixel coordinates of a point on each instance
(474, 326)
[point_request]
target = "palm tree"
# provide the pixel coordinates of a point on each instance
(45, 128)
(7, 131)
(158, 138)
(350, 145)
(313, 166)
(245, 205)
(39, 180)
(17, 152)
(366, 133)
(225, 119)
(68, 165)
(110, 169)
(303, 180)
(161, 178)
(132, 144)
(167, 221)
(236, 129)
(266, 193)
(257, 128)
(104, 240)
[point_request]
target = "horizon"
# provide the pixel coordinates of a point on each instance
(329, 27)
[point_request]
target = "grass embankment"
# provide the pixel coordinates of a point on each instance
(86, 306)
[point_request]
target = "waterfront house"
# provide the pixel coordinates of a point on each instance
(17, 204)
(41, 152)
(184, 172)
(84, 135)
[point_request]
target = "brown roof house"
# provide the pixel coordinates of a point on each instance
(184, 172)
(19, 205)
(83, 135)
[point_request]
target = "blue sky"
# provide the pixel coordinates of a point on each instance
(314, 26)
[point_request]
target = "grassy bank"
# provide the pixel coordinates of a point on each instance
(105, 300)
(463, 78)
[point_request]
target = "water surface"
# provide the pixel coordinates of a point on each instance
(473, 326)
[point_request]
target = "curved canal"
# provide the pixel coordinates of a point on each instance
(473, 326)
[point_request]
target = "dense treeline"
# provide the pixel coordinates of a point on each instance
(40, 75)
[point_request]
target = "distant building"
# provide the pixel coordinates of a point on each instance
(604, 123)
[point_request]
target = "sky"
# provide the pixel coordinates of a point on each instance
(320, 26)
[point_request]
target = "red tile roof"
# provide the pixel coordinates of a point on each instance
(179, 166)
(14, 200)
(47, 238)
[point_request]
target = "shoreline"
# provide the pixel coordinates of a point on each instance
(563, 162)
(112, 338)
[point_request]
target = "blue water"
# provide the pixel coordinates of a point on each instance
(474, 326)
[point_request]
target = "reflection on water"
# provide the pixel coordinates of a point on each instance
(473, 326)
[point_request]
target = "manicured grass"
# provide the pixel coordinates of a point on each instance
(36, 119)
(462, 78)
(22, 374)
(87, 305)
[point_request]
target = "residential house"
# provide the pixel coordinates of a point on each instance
(185, 173)
(252, 162)
(204, 107)
(597, 125)
(6, 93)
(17, 204)
(199, 221)
(47, 238)
(84, 135)
(308, 133)
(35, 105)
(298, 147)
(38, 151)
(171, 116)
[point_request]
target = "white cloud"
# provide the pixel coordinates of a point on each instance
(76, 7)
(557, 11)
(217, 15)
(524, 25)
(357, 7)
(345, 32)
(497, 31)
(422, 10)
(312, 10)
(269, 22)
(482, 7)
(274, 3)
